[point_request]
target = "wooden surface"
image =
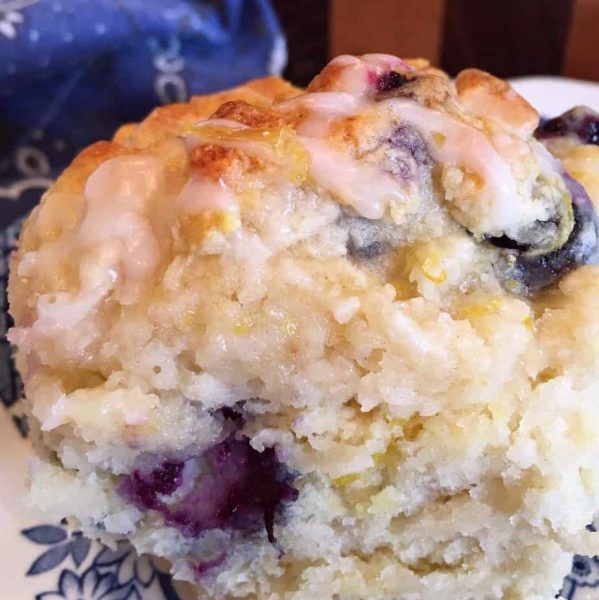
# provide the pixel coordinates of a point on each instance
(507, 37)
(582, 49)
(306, 25)
(408, 28)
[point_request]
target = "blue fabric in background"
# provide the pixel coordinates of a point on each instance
(72, 71)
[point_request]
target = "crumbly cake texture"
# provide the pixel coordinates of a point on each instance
(333, 343)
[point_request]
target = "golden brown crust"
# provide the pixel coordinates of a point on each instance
(328, 79)
(424, 67)
(248, 104)
(429, 89)
(216, 161)
(172, 119)
(249, 114)
(491, 98)
(123, 133)
(73, 179)
(477, 92)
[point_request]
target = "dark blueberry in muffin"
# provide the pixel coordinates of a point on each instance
(367, 239)
(143, 486)
(408, 139)
(239, 488)
(390, 81)
(581, 122)
(538, 270)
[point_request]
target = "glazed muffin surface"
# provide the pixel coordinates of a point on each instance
(333, 343)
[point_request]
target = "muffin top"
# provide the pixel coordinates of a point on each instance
(383, 167)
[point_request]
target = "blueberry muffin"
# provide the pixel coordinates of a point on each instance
(333, 343)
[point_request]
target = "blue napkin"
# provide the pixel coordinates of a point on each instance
(72, 71)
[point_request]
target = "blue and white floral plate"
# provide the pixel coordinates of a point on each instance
(48, 561)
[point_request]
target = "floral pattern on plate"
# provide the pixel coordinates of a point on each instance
(89, 570)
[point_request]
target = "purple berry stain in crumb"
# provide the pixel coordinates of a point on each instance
(241, 489)
(204, 566)
(407, 138)
(143, 488)
(390, 81)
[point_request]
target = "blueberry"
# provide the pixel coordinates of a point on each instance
(242, 489)
(402, 154)
(233, 413)
(390, 81)
(365, 252)
(536, 271)
(590, 131)
(580, 122)
(364, 247)
(143, 487)
(406, 138)
(367, 239)
(552, 127)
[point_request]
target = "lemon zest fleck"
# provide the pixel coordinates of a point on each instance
(230, 222)
(189, 318)
(194, 227)
(360, 508)
(430, 268)
(289, 327)
(439, 139)
(379, 458)
(345, 479)
(482, 310)
(243, 326)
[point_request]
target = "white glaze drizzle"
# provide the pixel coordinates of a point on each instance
(364, 187)
(494, 207)
(117, 194)
(324, 108)
(358, 72)
(464, 146)
(202, 193)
